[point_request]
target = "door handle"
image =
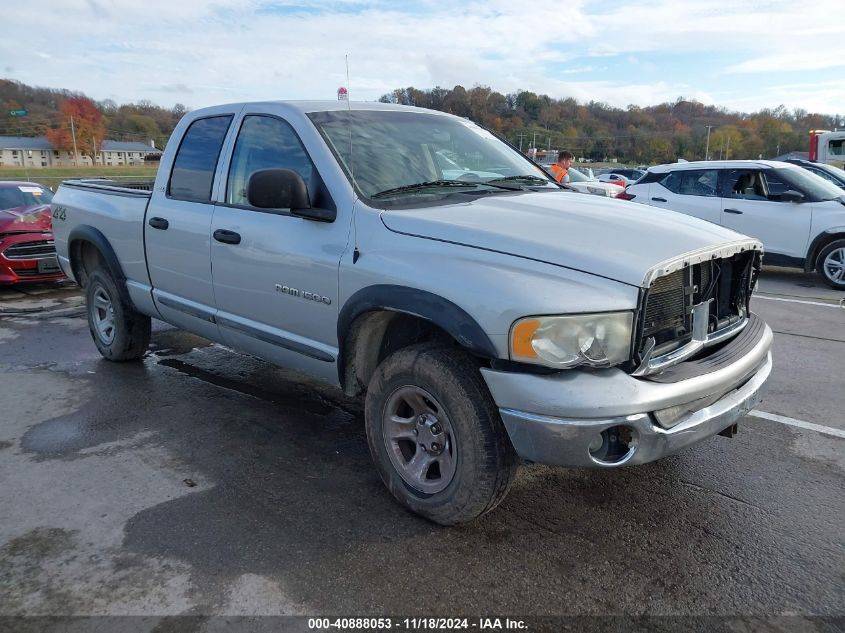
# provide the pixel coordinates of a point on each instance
(159, 223)
(734, 211)
(659, 199)
(227, 237)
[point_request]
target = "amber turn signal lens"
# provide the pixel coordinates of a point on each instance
(521, 337)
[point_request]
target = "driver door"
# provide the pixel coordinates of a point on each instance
(751, 205)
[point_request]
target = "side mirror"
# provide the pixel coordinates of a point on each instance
(790, 195)
(284, 189)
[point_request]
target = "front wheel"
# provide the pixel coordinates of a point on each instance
(831, 264)
(119, 332)
(436, 436)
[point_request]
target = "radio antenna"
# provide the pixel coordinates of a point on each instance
(349, 110)
(355, 252)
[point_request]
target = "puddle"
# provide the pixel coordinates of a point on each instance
(287, 400)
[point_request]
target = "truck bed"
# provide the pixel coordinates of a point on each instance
(112, 208)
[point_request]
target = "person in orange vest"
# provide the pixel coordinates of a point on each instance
(560, 170)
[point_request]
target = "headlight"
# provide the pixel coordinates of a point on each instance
(598, 191)
(595, 340)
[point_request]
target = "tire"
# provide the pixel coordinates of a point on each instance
(119, 332)
(476, 463)
(831, 264)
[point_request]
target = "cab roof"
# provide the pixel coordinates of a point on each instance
(327, 106)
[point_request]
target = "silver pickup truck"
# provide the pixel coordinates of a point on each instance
(486, 313)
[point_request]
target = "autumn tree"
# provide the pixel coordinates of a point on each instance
(80, 117)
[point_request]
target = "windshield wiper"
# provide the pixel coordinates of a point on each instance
(433, 184)
(417, 186)
(523, 177)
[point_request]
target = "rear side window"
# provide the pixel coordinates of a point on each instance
(196, 159)
(265, 142)
(698, 182)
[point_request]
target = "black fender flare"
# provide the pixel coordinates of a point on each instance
(420, 303)
(87, 233)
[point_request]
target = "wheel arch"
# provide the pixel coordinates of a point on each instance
(819, 242)
(88, 248)
(379, 320)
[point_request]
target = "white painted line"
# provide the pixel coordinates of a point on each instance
(809, 303)
(799, 423)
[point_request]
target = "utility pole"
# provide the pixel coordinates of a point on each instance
(94, 151)
(550, 144)
(534, 142)
(728, 149)
(707, 148)
(75, 152)
(521, 136)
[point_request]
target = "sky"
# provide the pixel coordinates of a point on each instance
(744, 55)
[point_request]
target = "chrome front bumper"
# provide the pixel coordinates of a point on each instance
(563, 419)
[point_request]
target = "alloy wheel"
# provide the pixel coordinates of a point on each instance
(834, 265)
(102, 313)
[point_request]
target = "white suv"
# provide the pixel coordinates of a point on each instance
(799, 217)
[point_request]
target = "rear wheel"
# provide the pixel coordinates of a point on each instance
(436, 436)
(831, 264)
(119, 332)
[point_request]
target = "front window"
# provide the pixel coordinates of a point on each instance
(263, 143)
(837, 147)
(394, 155)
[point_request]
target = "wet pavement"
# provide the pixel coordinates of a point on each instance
(203, 482)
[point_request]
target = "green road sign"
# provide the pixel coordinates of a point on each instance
(18, 112)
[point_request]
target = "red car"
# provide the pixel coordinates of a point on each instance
(27, 252)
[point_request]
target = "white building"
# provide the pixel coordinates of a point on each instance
(36, 152)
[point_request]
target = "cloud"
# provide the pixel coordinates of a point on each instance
(787, 62)
(202, 52)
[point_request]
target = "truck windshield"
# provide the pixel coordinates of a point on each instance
(391, 151)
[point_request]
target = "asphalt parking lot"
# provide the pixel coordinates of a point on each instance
(201, 482)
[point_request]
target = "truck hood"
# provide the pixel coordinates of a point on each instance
(610, 238)
(28, 219)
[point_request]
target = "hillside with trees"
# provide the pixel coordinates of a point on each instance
(597, 131)
(593, 130)
(49, 112)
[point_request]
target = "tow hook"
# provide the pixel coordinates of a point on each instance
(730, 431)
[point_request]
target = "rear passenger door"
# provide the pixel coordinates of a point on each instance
(751, 205)
(690, 191)
(277, 287)
(177, 230)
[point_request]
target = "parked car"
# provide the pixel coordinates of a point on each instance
(27, 252)
(828, 172)
(621, 177)
(480, 321)
(580, 181)
(450, 169)
(799, 216)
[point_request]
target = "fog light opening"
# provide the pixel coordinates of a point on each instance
(618, 443)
